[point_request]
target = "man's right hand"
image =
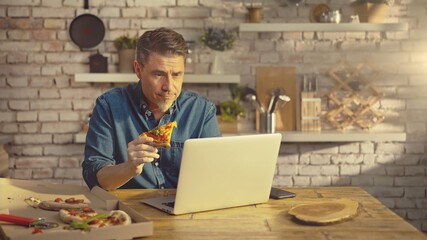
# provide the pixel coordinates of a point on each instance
(139, 153)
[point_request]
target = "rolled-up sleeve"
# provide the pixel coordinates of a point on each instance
(99, 147)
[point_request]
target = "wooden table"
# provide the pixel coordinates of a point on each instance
(271, 220)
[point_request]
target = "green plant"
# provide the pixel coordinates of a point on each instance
(125, 42)
(230, 110)
(217, 39)
(357, 2)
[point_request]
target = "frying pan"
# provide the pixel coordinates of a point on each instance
(87, 30)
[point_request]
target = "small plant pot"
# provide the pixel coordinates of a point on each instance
(228, 127)
(371, 12)
(126, 58)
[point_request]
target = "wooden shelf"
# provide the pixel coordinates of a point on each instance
(324, 136)
(335, 136)
(322, 27)
(131, 77)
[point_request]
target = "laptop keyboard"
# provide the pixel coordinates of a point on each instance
(169, 204)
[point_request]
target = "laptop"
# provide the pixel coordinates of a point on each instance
(223, 172)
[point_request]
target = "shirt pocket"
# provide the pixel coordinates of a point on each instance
(176, 156)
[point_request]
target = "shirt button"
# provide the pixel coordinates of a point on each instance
(156, 164)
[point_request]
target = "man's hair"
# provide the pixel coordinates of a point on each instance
(163, 41)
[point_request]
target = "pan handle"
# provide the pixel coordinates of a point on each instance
(86, 4)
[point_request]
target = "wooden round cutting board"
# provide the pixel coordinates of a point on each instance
(326, 211)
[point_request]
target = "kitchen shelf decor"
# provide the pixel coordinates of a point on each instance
(219, 41)
(125, 46)
(353, 97)
(322, 27)
(373, 11)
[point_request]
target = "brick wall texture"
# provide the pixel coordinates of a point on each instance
(43, 108)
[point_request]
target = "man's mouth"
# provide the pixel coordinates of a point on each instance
(167, 96)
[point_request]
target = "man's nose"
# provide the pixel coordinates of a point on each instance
(167, 83)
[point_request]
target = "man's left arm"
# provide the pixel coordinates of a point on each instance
(211, 127)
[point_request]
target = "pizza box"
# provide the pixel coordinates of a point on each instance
(12, 201)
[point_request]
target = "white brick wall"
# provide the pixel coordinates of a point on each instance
(43, 107)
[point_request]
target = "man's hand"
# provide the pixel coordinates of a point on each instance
(112, 177)
(139, 153)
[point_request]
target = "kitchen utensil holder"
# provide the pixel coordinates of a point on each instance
(267, 122)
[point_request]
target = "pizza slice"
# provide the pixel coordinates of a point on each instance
(58, 204)
(69, 216)
(88, 218)
(161, 135)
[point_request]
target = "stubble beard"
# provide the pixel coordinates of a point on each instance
(164, 106)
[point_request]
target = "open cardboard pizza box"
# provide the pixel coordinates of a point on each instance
(12, 201)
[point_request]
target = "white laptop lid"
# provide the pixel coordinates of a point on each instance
(226, 172)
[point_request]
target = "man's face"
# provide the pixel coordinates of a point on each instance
(161, 80)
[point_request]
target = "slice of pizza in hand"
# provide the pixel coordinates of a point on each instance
(161, 135)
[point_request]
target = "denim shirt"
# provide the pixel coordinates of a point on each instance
(121, 115)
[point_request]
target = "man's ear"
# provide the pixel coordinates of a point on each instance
(137, 69)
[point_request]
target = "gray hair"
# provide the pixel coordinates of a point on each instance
(164, 41)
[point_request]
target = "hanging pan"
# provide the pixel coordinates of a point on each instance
(87, 30)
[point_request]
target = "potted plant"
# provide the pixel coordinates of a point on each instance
(125, 45)
(230, 111)
(219, 40)
(372, 11)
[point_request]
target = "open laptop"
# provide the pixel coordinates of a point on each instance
(223, 172)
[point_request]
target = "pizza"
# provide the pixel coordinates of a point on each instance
(58, 204)
(161, 135)
(87, 218)
(71, 215)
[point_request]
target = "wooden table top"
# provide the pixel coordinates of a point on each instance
(272, 221)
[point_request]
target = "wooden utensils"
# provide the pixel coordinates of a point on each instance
(269, 78)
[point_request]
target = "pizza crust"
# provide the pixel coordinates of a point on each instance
(160, 144)
(119, 217)
(56, 206)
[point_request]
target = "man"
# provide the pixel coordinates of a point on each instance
(115, 153)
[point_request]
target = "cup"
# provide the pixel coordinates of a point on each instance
(267, 122)
(254, 14)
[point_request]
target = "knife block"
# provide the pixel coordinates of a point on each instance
(310, 112)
